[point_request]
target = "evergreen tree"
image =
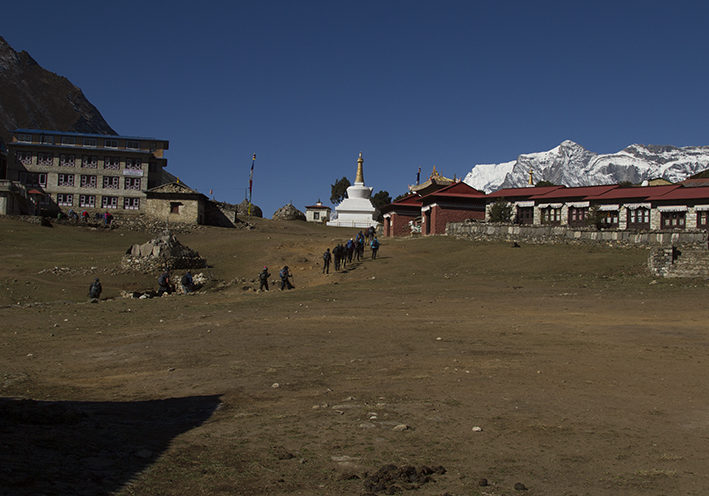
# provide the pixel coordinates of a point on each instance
(338, 190)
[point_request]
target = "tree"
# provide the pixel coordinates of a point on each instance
(500, 211)
(544, 183)
(379, 200)
(595, 217)
(338, 190)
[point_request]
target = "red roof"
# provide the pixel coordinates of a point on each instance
(35, 192)
(410, 199)
(457, 190)
(575, 192)
(318, 206)
(526, 191)
(682, 193)
(634, 192)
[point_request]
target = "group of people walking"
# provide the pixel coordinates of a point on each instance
(284, 274)
(352, 250)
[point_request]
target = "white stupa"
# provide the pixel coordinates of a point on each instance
(356, 210)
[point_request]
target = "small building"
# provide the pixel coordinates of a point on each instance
(317, 212)
(176, 202)
(434, 182)
(454, 203)
(403, 216)
(519, 200)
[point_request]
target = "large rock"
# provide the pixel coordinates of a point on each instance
(242, 209)
(288, 212)
(160, 253)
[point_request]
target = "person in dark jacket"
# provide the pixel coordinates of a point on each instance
(285, 278)
(164, 285)
(263, 279)
(375, 247)
(95, 290)
(187, 282)
(326, 257)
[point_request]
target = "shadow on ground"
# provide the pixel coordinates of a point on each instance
(76, 447)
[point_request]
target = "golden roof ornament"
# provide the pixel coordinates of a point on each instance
(360, 173)
(531, 177)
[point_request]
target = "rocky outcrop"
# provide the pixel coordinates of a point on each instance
(288, 212)
(242, 209)
(163, 252)
(33, 97)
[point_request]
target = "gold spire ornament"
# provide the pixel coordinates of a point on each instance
(360, 172)
(531, 177)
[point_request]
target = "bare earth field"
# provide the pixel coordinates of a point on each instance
(547, 370)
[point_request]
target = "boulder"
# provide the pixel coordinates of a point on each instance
(288, 212)
(163, 252)
(242, 209)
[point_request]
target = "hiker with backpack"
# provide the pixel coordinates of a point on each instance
(187, 282)
(285, 278)
(263, 279)
(164, 285)
(375, 247)
(326, 257)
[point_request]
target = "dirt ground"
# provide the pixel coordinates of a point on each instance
(442, 366)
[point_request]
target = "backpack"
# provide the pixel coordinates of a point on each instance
(375, 244)
(283, 273)
(263, 275)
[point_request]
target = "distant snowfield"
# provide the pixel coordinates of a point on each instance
(571, 164)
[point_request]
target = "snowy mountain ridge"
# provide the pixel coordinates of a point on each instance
(571, 164)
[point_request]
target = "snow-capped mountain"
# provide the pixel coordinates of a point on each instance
(571, 164)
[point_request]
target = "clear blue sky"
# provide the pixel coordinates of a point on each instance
(306, 85)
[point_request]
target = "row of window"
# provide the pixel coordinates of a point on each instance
(73, 140)
(87, 161)
(89, 201)
(85, 181)
(638, 218)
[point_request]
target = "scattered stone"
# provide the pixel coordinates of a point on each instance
(401, 427)
(477, 429)
(282, 453)
(160, 253)
(275, 385)
(288, 212)
(520, 487)
(390, 479)
(483, 482)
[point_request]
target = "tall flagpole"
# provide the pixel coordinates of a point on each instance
(251, 181)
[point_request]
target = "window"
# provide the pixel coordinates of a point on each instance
(551, 215)
(110, 143)
(24, 138)
(109, 202)
(175, 207)
(65, 180)
(132, 145)
(525, 215)
(89, 161)
(67, 160)
(25, 158)
(90, 142)
(132, 183)
(316, 215)
(68, 140)
(65, 199)
(131, 203)
(672, 220)
(45, 159)
(34, 179)
(47, 140)
(578, 216)
(88, 181)
(609, 218)
(111, 163)
(134, 164)
(639, 218)
(111, 182)
(703, 219)
(87, 201)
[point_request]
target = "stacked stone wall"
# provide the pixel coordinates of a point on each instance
(564, 234)
(679, 262)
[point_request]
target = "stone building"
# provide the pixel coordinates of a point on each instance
(91, 172)
(176, 202)
(317, 212)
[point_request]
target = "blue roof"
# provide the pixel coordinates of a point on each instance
(85, 135)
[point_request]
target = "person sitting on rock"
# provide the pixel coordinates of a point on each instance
(263, 279)
(164, 283)
(95, 290)
(285, 281)
(187, 282)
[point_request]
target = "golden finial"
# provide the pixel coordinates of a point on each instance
(360, 172)
(531, 177)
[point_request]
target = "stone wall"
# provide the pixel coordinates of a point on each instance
(679, 262)
(189, 210)
(565, 234)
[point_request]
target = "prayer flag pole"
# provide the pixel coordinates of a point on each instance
(251, 181)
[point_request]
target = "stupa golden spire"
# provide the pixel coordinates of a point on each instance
(360, 172)
(531, 177)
